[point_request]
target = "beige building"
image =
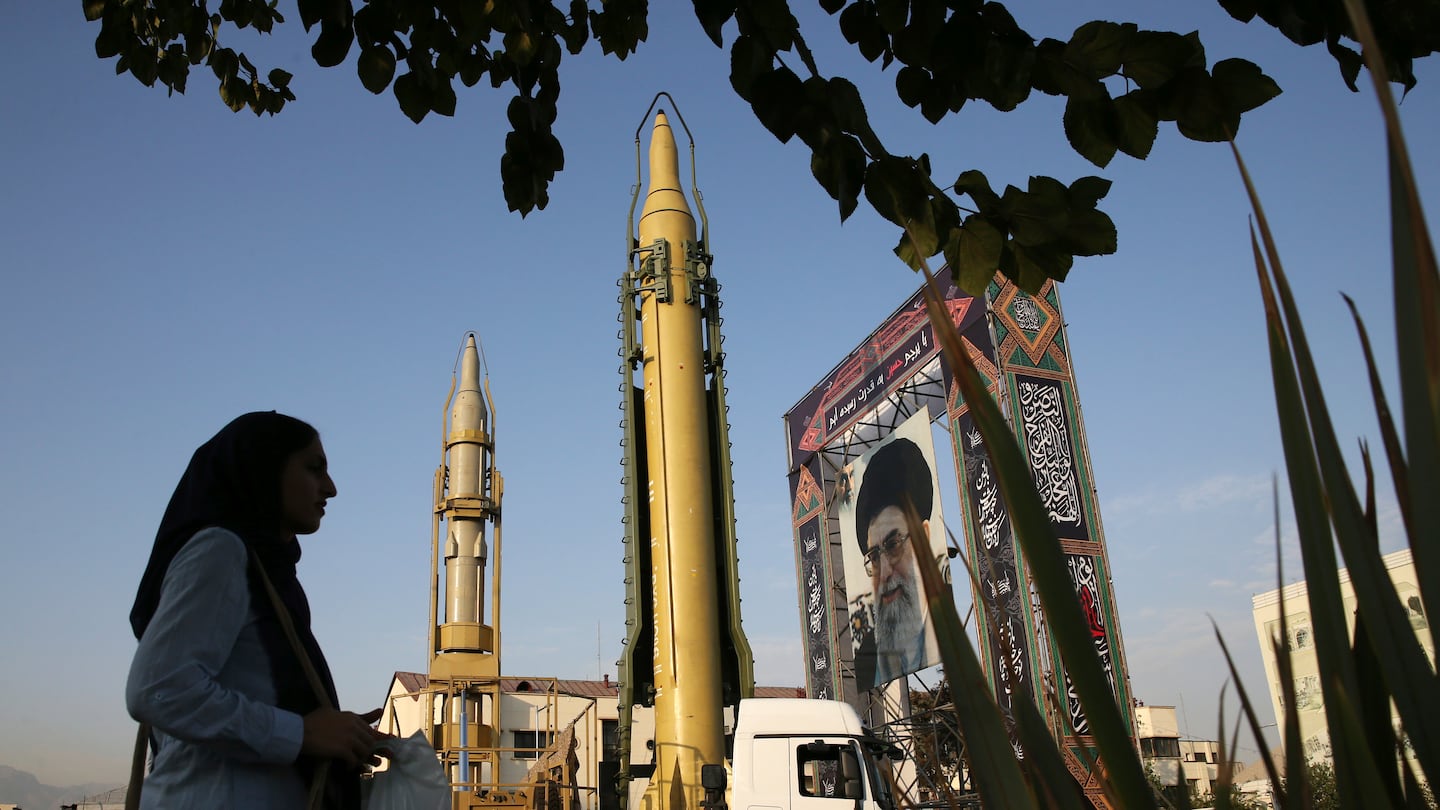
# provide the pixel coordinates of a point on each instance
(533, 711)
(1309, 705)
(1173, 757)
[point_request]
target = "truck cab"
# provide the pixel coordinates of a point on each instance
(799, 754)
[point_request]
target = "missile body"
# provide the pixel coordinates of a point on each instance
(685, 654)
(689, 729)
(464, 685)
(469, 447)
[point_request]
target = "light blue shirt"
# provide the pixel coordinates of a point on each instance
(201, 678)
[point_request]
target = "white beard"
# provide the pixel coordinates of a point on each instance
(898, 622)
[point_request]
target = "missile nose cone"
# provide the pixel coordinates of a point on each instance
(470, 406)
(470, 366)
(664, 192)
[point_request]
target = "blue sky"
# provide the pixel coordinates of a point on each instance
(166, 264)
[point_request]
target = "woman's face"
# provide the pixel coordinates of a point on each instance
(305, 485)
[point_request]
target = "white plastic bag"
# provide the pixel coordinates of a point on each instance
(414, 780)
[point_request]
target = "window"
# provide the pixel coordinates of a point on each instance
(610, 740)
(1416, 611)
(829, 771)
(532, 740)
(1160, 747)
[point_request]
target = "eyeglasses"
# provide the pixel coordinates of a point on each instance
(892, 547)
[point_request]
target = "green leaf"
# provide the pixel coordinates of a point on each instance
(94, 9)
(1136, 123)
(1090, 233)
(861, 27)
(1039, 215)
(1052, 74)
(845, 104)
(1199, 111)
(1153, 57)
(376, 67)
(749, 60)
(972, 182)
(1089, 126)
(713, 14)
(333, 44)
(1097, 48)
(777, 97)
(442, 96)
(279, 78)
(1242, 86)
(895, 190)
(311, 11)
(1244, 11)
(1037, 264)
(112, 39)
(979, 248)
(892, 14)
(1349, 62)
(620, 26)
(414, 98)
(1007, 67)
(1087, 191)
(912, 84)
(840, 169)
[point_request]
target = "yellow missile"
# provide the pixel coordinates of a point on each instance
(689, 729)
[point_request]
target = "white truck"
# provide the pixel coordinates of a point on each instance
(800, 754)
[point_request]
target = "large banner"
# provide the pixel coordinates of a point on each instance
(859, 629)
(893, 635)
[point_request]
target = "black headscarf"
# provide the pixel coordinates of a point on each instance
(234, 482)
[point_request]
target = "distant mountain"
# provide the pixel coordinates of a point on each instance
(24, 790)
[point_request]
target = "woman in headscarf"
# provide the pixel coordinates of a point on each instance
(236, 722)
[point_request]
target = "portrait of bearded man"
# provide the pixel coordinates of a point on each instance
(897, 639)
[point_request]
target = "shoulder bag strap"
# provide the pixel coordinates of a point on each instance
(322, 769)
(137, 768)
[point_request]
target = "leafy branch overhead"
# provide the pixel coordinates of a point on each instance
(1119, 82)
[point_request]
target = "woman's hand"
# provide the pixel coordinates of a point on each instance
(343, 736)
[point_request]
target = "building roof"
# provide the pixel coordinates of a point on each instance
(1295, 590)
(1256, 770)
(415, 682)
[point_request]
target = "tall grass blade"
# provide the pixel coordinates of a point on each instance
(1047, 567)
(1374, 695)
(1308, 499)
(1297, 789)
(993, 766)
(1054, 786)
(1419, 355)
(1248, 708)
(1364, 770)
(1408, 673)
(1414, 793)
(1224, 773)
(1417, 322)
(1394, 454)
(1374, 705)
